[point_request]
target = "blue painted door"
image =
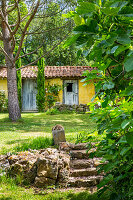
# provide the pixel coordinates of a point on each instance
(29, 92)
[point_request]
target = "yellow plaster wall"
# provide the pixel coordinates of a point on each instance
(3, 85)
(56, 81)
(86, 93)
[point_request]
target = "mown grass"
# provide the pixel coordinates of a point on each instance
(10, 191)
(20, 135)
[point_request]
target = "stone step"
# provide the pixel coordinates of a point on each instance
(83, 172)
(81, 154)
(84, 181)
(65, 146)
(81, 146)
(81, 163)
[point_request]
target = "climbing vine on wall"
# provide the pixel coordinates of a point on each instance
(52, 94)
(40, 86)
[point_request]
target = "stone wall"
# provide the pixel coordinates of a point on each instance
(46, 167)
(82, 108)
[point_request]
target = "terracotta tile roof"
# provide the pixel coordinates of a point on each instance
(50, 71)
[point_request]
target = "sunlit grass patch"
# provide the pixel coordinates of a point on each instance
(9, 190)
(34, 125)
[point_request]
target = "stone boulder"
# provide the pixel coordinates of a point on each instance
(58, 134)
(4, 164)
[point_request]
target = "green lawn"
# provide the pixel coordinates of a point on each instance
(10, 191)
(33, 125)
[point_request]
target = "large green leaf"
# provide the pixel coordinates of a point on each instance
(125, 123)
(85, 8)
(114, 49)
(124, 150)
(129, 138)
(128, 91)
(105, 103)
(106, 180)
(120, 49)
(110, 10)
(88, 29)
(71, 40)
(122, 140)
(78, 20)
(108, 85)
(124, 39)
(128, 64)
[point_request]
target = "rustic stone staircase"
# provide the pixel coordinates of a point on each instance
(83, 169)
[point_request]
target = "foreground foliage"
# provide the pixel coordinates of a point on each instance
(104, 34)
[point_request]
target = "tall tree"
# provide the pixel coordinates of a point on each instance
(40, 86)
(14, 27)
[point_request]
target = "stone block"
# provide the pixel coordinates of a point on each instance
(58, 134)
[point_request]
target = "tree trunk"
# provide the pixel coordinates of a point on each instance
(13, 104)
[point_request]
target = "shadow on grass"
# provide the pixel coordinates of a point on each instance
(16, 141)
(41, 122)
(6, 198)
(85, 195)
(82, 196)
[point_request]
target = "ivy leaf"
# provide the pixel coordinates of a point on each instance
(125, 123)
(128, 65)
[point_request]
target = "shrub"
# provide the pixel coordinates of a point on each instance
(3, 102)
(52, 92)
(40, 86)
(52, 111)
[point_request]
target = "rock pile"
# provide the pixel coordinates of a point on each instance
(82, 108)
(41, 168)
(70, 166)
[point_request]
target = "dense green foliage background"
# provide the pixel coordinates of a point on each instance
(104, 34)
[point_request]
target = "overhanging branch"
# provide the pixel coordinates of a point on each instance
(25, 29)
(44, 55)
(6, 55)
(53, 29)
